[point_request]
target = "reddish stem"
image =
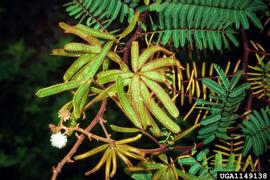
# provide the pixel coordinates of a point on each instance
(68, 156)
(136, 35)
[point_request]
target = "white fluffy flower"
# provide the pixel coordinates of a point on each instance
(58, 140)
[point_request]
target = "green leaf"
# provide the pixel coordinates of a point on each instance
(211, 119)
(222, 76)
(213, 86)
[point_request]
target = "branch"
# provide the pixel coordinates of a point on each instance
(135, 36)
(68, 156)
(246, 53)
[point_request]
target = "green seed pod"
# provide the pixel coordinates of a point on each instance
(137, 100)
(79, 99)
(155, 76)
(91, 68)
(97, 33)
(116, 58)
(77, 65)
(159, 63)
(147, 53)
(83, 34)
(125, 104)
(80, 47)
(157, 111)
(131, 25)
(62, 52)
(135, 56)
(58, 88)
(162, 96)
(111, 75)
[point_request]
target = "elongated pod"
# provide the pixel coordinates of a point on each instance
(157, 111)
(62, 52)
(110, 91)
(58, 88)
(77, 65)
(92, 67)
(80, 47)
(79, 98)
(131, 25)
(137, 100)
(91, 152)
(159, 63)
(83, 34)
(125, 104)
(155, 76)
(147, 53)
(116, 58)
(111, 75)
(135, 56)
(96, 33)
(162, 96)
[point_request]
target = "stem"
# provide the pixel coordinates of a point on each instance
(246, 53)
(68, 156)
(135, 36)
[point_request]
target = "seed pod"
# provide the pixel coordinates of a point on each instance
(103, 94)
(125, 104)
(129, 140)
(111, 75)
(91, 152)
(80, 47)
(62, 52)
(137, 100)
(155, 76)
(91, 68)
(159, 63)
(80, 98)
(116, 58)
(51, 90)
(131, 25)
(157, 111)
(97, 33)
(135, 56)
(63, 25)
(147, 53)
(162, 96)
(77, 65)
(83, 34)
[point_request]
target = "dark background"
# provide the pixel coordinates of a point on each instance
(28, 31)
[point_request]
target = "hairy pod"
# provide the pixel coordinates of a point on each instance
(97, 33)
(162, 96)
(147, 53)
(83, 34)
(92, 67)
(159, 63)
(62, 52)
(135, 56)
(80, 47)
(111, 75)
(125, 104)
(116, 58)
(155, 76)
(131, 25)
(77, 65)
(58, 88)
(80, 98)
(163, 118)
(137, 100)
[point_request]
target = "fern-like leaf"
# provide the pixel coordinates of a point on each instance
(257, 132)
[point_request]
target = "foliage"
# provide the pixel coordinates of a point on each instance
(143, 75)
